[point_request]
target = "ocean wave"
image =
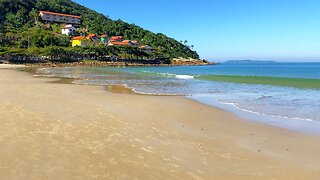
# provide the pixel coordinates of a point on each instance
(301, 83)
(153, 94)
(44, 75)
(88, 82)
(263, 114)
(179, 76)
(264, 97)
(43, 71)
(167, 74)
(184, 77)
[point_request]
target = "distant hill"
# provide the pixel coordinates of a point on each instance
(17, 16)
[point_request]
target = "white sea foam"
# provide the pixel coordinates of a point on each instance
(153, 94)
(166, 74)
(184, 76)
(179, 76)
(263, 114)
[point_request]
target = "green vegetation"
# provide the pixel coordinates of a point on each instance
(23, 33)
(72, 54)
(275, 81)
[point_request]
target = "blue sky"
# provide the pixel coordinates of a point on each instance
(283, 30)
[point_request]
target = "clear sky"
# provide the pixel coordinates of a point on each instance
(283, 30)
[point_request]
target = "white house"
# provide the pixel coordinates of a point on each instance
(68, 30)
(59, 17)
(147, 48)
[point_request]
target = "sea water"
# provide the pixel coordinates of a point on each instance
(281, 94)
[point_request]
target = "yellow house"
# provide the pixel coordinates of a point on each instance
(79, 41)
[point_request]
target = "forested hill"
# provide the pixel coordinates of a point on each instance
(20, 15)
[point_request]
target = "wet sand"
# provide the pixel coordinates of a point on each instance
(64, 131)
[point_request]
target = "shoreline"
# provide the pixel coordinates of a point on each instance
(295, 124)
(59, 130)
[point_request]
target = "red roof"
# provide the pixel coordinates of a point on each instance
(78, 38)
(59, 14)
(104, 35)
(67, 26)
(91, 36)
(114, 38)
(126, 41)
(121, 43)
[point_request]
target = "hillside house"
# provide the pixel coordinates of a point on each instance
(136, 43)
(147, 49)
(68, 30)
(59, 17)
(105, 39)
(93, 37)
(121, 43)
(116, 39)
(80, 41)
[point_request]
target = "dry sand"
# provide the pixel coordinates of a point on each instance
(61, 131)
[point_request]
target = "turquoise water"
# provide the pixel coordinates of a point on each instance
(282, 94)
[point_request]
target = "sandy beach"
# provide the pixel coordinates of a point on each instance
(64, 131)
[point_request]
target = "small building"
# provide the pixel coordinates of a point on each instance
(68, 30)
(105, 39)
(129, 42)
(136, 43)
(93, 37)
(147, 49)
(79, 41)
(59, 17)
(122, 43)
(116, 39)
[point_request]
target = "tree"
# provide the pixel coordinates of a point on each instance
(34, 14)
(21, 16)
(12, 21)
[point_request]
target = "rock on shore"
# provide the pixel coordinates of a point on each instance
(190, 62)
